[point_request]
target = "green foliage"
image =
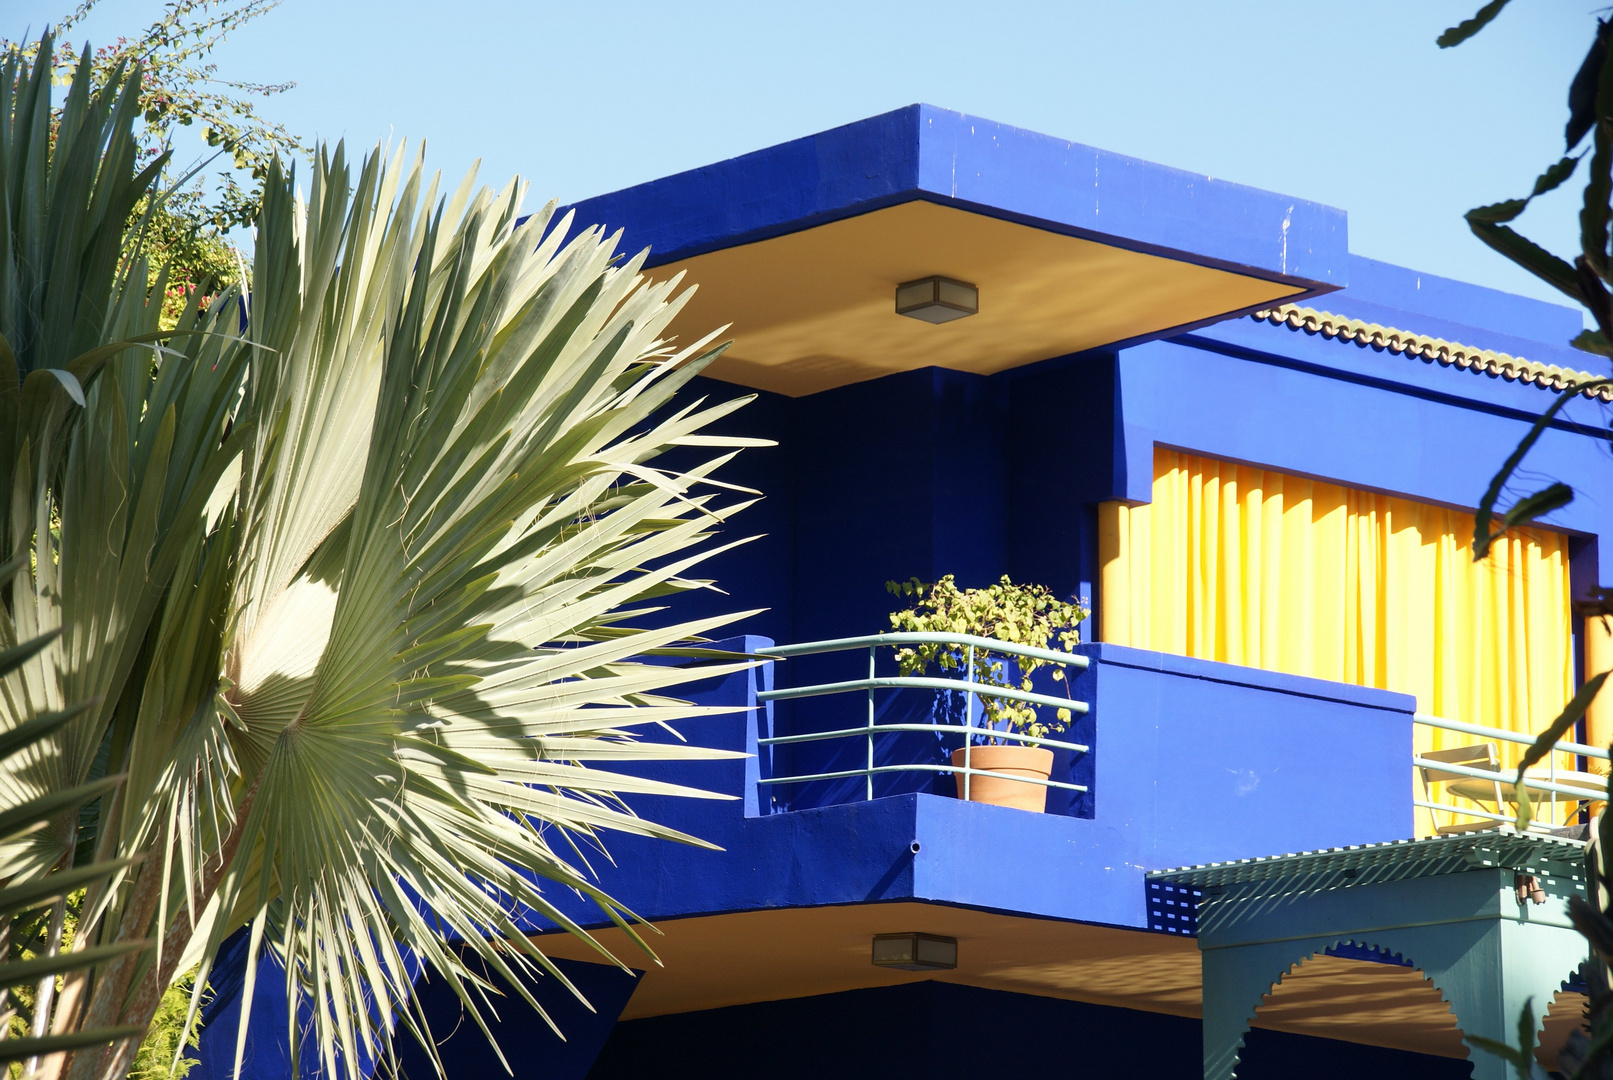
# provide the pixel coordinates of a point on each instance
(1520, 1057)
(1468, 27)
(1590, 105)
(1530, 507)
(158, 1057)
(1018, 614)
(180, 88)
(186, 261)
(180, 229)
(30, 934)
(32, 953)
(1585, 278)
(1561, 727)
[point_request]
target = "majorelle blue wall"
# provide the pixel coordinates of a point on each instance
(933, 471)
(941, 1031)
(1374, 419)
(1191, 762)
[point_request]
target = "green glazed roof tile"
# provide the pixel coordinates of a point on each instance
(1429, 349)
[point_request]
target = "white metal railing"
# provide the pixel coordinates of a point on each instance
(967, 643)
(1561, 787)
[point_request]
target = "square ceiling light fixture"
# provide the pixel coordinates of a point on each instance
(915, 952)
(937, 299)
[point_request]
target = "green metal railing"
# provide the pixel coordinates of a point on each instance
(974, 690)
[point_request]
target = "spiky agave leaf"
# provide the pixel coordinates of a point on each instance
(449, 495)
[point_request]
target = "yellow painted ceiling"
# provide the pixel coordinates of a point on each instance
(815, 309)
(720, 960)
(1335, 998)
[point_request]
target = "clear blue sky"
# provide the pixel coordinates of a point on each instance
(1349, 104)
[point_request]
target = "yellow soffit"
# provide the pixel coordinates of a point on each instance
(714, 961)
(816, 309)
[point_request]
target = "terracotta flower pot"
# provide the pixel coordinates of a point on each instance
(1031, 762)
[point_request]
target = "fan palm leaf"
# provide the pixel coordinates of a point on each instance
(347, 586)
(505, 511)
(17, 822)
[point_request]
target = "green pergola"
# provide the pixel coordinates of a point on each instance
(1447, 905)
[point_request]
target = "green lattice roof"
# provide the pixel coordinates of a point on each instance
(1546, 856)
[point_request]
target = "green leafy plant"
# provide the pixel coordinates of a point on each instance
(161, 1054)
(180, 87)
(1585, 280)
(1018, 614)
(1520, 1057)
(348, 594)
(182, 225)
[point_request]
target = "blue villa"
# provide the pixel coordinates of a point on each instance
(1254, 455)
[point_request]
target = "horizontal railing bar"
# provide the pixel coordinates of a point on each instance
(900, 682)
(945, 729)
(1429, 720)
(813, 648)
(877, 769)
(1485, 814)
(1532, 782)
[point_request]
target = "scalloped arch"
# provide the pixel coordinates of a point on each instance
(1309, 953)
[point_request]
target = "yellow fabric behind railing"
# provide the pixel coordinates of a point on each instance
(1255, 567)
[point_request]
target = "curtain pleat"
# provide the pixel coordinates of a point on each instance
(1265, 569)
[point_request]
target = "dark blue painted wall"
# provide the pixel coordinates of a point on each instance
(1441, 307)
(528, 1043)
(267, 1053)
(530, 1046)
(935, 1031)
(1192, 762)
(933, 472)
(922, 152)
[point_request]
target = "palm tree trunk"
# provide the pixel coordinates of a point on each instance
(112, 1003)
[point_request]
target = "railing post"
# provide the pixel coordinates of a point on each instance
(869, 776)
(968, 720)
(871, 727)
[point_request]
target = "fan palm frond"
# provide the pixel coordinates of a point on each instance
(16, 897)
(402, 698)
(347, 593)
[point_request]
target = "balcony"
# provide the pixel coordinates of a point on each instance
(916, 734)
(1173, 761)
(1186, 762)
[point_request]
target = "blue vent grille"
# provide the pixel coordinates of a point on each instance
(1173, 909)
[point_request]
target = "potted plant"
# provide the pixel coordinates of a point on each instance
(1018, 614)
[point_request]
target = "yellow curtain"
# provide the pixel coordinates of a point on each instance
(1269, 570)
